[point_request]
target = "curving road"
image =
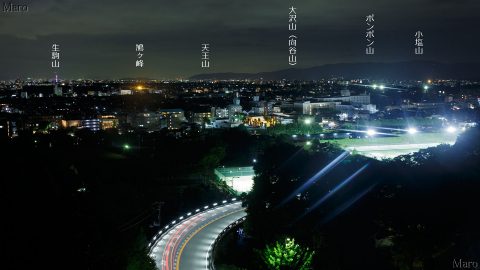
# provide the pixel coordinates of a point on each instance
(187, 244)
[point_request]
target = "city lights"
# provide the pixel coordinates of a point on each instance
(368, 138)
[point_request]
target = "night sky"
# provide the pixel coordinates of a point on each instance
(97, 38)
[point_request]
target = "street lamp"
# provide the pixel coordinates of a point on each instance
(126, 146)
(412, 130)
(451, 129)
(371, 132)
(307, 121)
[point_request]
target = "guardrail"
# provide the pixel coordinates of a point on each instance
(211, 249)
(171, 224)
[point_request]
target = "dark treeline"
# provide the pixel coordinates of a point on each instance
(414, 212)
(85, 200)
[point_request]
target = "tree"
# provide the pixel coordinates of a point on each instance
(211, 160)
(286, 254)
(138, 258)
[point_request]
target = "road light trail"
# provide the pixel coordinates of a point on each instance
(187, 244)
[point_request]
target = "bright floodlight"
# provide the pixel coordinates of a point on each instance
(412, 130)
(425, 87)
(451, 129)
(126, 146)
(374, 86)
(382, 87)
(254, 160)
(371, 132)
(308, 121)
(309, 143)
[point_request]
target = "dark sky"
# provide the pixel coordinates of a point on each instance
(98, 38)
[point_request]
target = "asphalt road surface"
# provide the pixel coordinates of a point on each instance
(187, 244)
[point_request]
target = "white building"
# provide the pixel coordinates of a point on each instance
(239, 179)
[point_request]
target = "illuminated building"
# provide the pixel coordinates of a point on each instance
(219, 112)
(200, 117)
(239, 179)
(173, 117)
(126, 92)
(260, 121)
(108, 122)
(70, 123)
(92, 124)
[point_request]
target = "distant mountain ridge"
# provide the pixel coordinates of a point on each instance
(396, 71)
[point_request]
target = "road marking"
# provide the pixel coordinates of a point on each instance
(196, 232)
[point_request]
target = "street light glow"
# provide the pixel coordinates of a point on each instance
(371, 132)
(126, 146)
(374, 86)
(425, 87)
(382, 87)
(451, 129)
(412, 130)
(307, 121)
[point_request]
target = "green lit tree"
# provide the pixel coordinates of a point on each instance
(286, 254)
